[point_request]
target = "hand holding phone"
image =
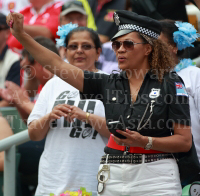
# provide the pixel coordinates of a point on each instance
(116, 125)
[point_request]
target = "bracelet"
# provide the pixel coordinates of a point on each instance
(87, 117)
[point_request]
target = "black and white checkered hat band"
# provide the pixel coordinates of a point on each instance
(139, 29)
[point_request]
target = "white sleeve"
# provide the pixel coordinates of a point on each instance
(40, 107)
(197, 100)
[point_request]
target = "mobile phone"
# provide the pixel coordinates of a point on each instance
(116, 125)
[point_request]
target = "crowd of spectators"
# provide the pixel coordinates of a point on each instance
(22, 78)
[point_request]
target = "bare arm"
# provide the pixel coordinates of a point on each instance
(181, 141)
(5, 131)
(45, 57)
(35, 30)
(38, 129)
(25, 109)
(99, 124)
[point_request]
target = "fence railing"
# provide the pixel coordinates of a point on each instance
(9, 146)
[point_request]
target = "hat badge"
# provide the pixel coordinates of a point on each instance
(116, 19)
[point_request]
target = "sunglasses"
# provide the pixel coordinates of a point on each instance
(74, 47)
(127, 44)
(68, 4)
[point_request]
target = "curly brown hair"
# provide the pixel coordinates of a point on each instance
(160, 59)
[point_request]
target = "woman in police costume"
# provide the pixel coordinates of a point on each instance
(145, 97)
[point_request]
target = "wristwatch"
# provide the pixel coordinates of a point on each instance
(149, 144)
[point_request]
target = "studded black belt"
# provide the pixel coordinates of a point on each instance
(134, 158)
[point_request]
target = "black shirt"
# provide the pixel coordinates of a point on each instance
(170, 101)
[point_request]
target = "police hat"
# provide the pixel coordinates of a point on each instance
(130, 21)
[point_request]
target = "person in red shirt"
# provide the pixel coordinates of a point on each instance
(41, 18)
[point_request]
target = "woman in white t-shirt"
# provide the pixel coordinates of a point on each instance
(179, 36)
(75, 129)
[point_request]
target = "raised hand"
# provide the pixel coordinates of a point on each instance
(15, 22)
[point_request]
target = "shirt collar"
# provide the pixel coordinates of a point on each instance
(43, 9)
(3, 53)
(122, 75)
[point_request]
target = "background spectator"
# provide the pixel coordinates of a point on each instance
(74, 163)
(75, 12)
(19, 96)
(103, 12)
(40, 19)
(107, 61)
(78, 12)
(170, 9)
(186, 70)
(9, 61)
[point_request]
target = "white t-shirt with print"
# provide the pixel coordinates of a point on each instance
(71, 155)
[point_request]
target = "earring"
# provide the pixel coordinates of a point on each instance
(175, 50)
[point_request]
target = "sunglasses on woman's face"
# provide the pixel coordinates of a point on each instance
(127, 44)
(74, 47)
(68, 4)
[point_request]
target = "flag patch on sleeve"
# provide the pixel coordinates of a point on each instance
(180, 89)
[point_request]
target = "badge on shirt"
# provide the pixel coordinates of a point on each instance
(180, 89)
(155, 92)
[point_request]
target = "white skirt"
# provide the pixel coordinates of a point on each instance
(158, 178)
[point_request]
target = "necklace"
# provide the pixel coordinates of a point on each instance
(135, 93)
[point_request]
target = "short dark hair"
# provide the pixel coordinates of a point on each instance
(93, 34)
(46, 42)
(168, 28)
